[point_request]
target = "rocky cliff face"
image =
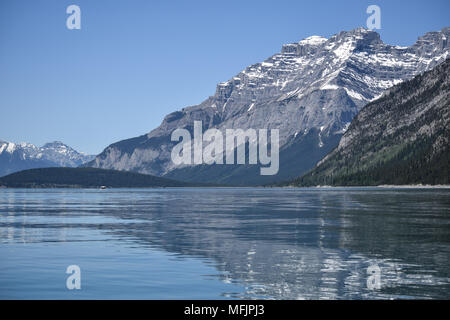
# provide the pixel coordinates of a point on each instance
(15, 157)
(310, 92)
(401, 138)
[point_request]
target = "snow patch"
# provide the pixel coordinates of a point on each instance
(313, 40)
(267, 64)
(11, 147)
(329, 87)
(3, 147)
(355, 95)
(344, 51)
(344, 130)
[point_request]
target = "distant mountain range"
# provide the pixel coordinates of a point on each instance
(310, 91)
(15, 157)
(402, 138)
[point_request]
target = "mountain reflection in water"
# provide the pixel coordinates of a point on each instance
(273, 243)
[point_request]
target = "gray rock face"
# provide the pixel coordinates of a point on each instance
(401, 138)
(63, 155)
(310, 92)
(16, 157)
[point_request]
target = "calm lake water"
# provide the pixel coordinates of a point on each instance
(226, 243)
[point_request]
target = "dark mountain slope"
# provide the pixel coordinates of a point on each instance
(401, 138)
(84, 177)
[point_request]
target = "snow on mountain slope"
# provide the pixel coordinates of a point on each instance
(400, 139)
(310, 91)
(15, 157)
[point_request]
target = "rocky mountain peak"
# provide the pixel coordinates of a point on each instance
(21, 156)
(433, 42)
(54, 144)
(310, 91)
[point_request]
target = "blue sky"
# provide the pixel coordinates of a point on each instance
(133, 62)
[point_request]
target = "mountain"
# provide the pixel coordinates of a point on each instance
(310, 92)
(84, 178)
(402, 138)
(16, 157)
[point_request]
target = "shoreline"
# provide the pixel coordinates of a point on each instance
(418, 186)
(384, 186)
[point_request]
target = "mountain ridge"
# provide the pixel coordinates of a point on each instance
(400, 139)
(311, 90)
(20, 156)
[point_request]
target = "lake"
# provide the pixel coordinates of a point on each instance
(226, 243)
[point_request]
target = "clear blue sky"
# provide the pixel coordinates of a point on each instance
(133, 62)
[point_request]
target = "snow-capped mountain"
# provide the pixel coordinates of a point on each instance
(63, 155)
(399, 139)
(310, 91)
(15, 157)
